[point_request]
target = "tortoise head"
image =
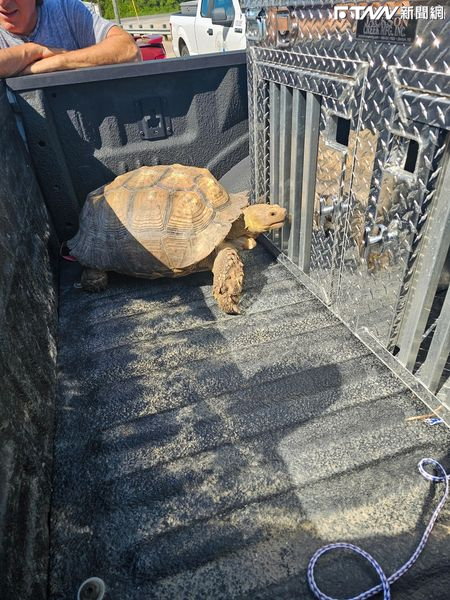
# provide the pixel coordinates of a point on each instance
(260, 218)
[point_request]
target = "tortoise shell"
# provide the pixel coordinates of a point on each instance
(155, 220)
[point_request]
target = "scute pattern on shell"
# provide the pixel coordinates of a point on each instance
(154, 220)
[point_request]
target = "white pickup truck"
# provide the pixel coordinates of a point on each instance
(213, 26)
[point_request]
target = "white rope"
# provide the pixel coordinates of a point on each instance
(386, 582)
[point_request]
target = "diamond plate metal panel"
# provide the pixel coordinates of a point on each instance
(252, 126)
(407, 290)
(371, 194)
(372, 276)
(334, 163)
(315, 64)
(337, 90)
(259, 149)
(340, 86)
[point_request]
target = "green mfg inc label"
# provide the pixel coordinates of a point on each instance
(394, 31)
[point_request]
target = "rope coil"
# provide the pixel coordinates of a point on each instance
(386, 582)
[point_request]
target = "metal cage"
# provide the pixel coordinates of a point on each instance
(350, 128)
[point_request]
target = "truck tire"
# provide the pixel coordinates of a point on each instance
(183, 49)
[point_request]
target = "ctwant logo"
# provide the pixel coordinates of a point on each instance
(341, 11)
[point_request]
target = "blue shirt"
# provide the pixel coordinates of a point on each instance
(67, 24)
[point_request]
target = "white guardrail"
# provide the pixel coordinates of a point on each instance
(148, 29)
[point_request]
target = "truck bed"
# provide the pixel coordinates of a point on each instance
(197, 455)
(201, 455)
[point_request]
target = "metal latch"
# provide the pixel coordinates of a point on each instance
(154, 125)
(282, 26)
(330, 208)
(382, 239)
(256, 24)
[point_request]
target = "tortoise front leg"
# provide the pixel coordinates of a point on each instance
(228, 272)
(94, 280)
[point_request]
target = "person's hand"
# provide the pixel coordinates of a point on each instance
(47, 52)
(42, 64)
(118, 47)
(17, 59)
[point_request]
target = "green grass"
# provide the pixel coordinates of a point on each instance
(144, 7)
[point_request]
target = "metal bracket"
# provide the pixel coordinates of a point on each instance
(332, 208)
(282, 26)
(256, 25)
(382, 239)
(154, 125)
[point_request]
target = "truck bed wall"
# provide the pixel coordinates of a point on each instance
(84, 127)
(27, 369)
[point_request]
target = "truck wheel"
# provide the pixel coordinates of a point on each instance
(183, 49)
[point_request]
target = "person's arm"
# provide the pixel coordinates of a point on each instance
(16, 59)
(117, 47)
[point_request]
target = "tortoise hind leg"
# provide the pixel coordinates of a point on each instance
(94, 280)
(228, 272)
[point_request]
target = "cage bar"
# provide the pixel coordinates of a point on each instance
(274, 135)
(296, 171)
(309, 179)
(285, 129)
(431, 259)
(430, 372)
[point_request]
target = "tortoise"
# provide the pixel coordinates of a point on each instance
(170, 221)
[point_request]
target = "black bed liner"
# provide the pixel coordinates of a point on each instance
(200, 455)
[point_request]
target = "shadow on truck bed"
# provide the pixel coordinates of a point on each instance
(200, 455)
(196, 454)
